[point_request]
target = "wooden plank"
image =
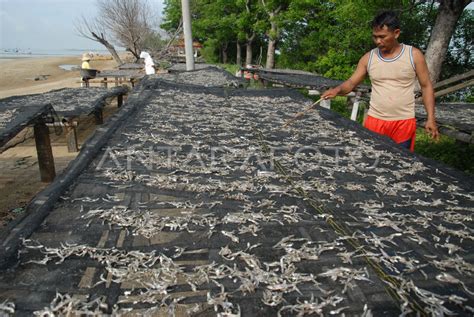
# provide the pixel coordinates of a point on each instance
(454, 79)
(45, 152)
(454, 88)
(458, 135)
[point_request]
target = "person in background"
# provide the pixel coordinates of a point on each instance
(85, 65)
(149, 64)
(393, 68)
(85, 61)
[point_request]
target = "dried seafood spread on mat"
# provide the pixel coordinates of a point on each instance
(202, 204)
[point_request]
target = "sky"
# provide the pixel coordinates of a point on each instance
(48, 24)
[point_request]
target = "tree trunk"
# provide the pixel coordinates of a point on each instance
(248, 54)
(271, 54)
(448, 14)
(239, 54)
(108, 46)
(224, 54)
(112, 51)
(272, 39)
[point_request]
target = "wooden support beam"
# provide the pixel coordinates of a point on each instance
(326, 103)
(99, 117)
(454, 88)
(449, 81)
(458, 135)
(314, 92)
(45, 152)
(71, 137)
(119, 101)
(454, 79)
(355, 109)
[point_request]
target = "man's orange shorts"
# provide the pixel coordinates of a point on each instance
(402, 132)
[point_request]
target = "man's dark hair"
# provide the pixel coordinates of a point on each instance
(388, 18)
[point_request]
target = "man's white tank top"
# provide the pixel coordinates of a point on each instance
(393, 84)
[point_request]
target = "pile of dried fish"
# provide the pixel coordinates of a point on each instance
(210, 76)
(67, 101)
(66, 305)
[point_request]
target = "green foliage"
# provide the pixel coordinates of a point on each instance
(327, 37)
(446, 150)
(231, 68)
(339, 104)
(171, 15)
(210, 51)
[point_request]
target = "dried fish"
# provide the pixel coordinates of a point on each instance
(66, 305)
(448, 278)
(231, 235)
(346, 276)
(7, 307)
(312, 306)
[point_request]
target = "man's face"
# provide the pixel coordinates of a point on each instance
(384, 38)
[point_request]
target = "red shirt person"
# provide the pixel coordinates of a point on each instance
(393, 68)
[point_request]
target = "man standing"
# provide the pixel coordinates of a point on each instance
(392, 68)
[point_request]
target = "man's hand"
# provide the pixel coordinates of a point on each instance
(432, 129)
(331, 93)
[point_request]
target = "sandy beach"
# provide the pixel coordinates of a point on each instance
(17, 76)
(19, 177)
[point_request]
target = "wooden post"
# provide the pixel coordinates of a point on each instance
(104, 83)
(99, 117)
(71, 136)
(45, 152)
(119, 101)
(355, 109)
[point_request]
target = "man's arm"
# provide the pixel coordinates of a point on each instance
(347, 86)
(427, 90)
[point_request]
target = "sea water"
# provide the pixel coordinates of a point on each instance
(13, 53)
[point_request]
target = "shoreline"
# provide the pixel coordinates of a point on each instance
(31, 74)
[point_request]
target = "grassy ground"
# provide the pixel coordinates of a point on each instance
(455, 154)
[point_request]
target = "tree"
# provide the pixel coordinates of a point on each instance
(273, 8)
(250, 23)
(93, 30)
(128, 21)
(448, 15)
(215, 25)
(459, 57)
